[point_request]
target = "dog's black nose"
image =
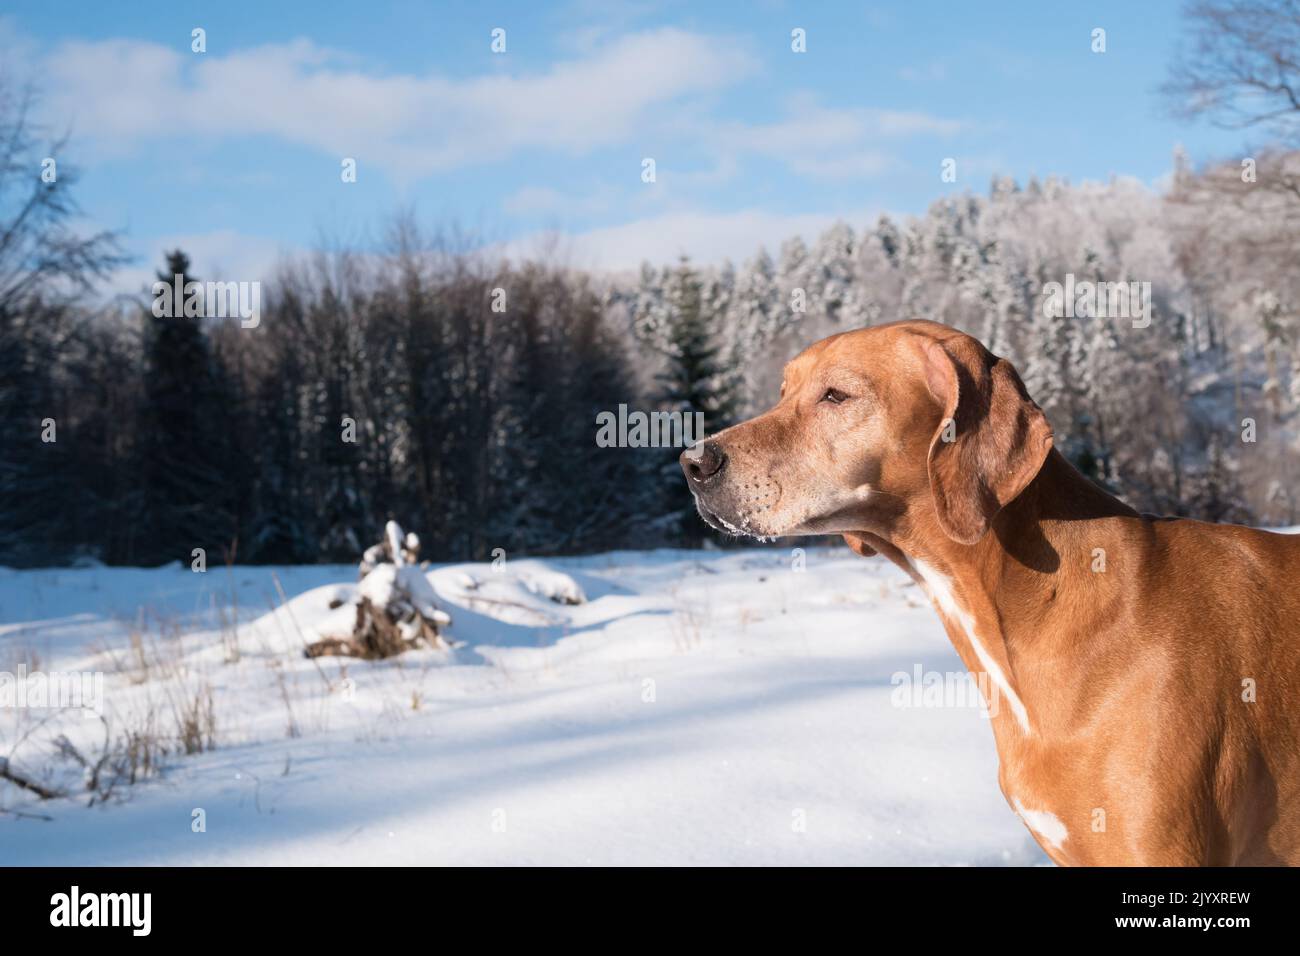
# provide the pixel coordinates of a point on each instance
(702, 461)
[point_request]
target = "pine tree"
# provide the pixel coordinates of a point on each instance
(693, 381)
(756, 317)
(185, 428)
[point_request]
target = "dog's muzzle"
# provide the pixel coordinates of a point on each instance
(704, 464)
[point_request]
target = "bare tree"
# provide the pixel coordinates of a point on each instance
(1243, 69)
(40, 253)
(45, 262)
(1243, 73)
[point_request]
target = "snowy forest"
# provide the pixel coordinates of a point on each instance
(478, 425)
(430, 380)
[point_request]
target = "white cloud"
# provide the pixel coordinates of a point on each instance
(123, 96)
(844, 165)
(124, 93)
(221, 254)
(828, 142)
(708, 238)
(543, 200)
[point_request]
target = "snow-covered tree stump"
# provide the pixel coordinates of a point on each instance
(396, 606)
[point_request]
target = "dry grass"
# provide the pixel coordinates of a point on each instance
(291, 728)
(172, 714)
(194, 713)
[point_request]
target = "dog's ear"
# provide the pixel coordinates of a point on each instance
(991, 442)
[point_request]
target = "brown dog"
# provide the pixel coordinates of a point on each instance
(1147, 670)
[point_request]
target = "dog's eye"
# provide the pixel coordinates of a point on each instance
(834, 396)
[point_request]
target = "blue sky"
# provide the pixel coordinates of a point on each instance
(235, 153)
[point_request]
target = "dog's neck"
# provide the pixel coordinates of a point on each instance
(1035, 547)
(1032, 534)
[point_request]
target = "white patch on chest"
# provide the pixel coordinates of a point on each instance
(1043, 822)
(940, 590)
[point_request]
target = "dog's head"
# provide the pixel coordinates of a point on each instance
(874, 427)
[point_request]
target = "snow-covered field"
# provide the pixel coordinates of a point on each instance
(697, 708)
